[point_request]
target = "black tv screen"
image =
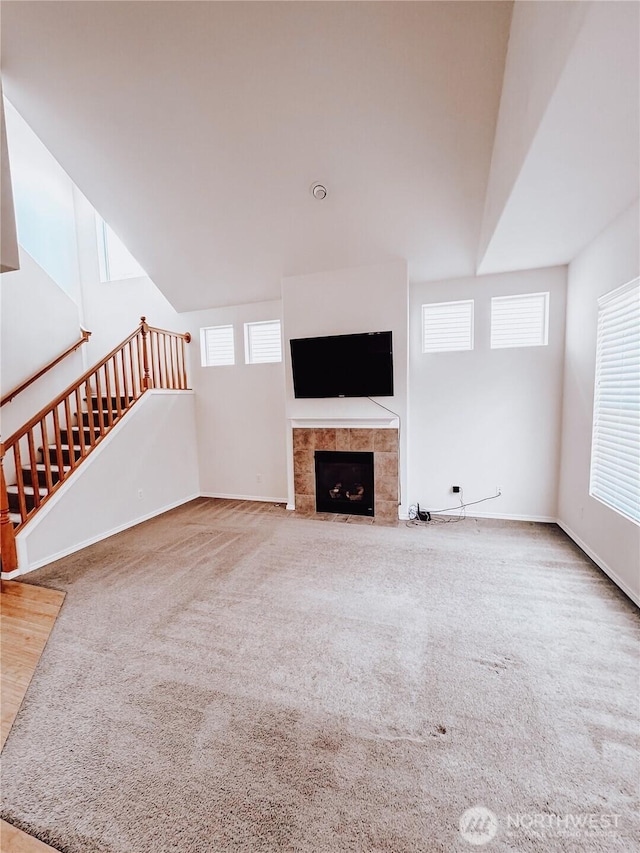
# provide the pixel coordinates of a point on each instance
(343, 365)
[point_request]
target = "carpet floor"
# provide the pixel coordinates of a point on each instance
(228, 678)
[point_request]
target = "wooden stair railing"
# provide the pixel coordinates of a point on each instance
(23, 385)
(39, 456)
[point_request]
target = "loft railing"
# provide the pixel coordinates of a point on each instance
(38, 458)
(9, 397)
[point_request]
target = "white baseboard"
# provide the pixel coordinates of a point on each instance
(600, 563)
(505, 516)
(91, 541)
(261, 498)
(8, 576)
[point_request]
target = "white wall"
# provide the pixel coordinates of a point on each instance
(541, 38)
(240, 411)
(360, 299)
(111, 310)
(43, 199)
(611, 260)
(38, 321)
(152, 449)
(8, 240)
(570, 138)
(487, 418)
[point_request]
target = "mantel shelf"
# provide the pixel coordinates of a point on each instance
(388, 422)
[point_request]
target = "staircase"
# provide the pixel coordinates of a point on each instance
(40, 456)
(59, 458)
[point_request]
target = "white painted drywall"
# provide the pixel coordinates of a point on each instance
(346, 301)
(112, 309)
(38, 321)
(487, 418)
(153, 449)
(43, 199)
(610, 539)
(200, 134)
(8, 240)
(240, 412)
(541, 38)
(581, 167)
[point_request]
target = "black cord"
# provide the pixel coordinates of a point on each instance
(396, 415)
(415, 522)
(464, 506)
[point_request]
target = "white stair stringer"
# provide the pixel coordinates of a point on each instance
(145, 465)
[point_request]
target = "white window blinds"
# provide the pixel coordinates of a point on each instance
(447, 326)
(262, 342)
(520, 321)
(216, 346)
(615, 448)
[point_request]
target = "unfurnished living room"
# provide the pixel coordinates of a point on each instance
(320, 401)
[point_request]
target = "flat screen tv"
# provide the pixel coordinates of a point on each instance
(343, 365)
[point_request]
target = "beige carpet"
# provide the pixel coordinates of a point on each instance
(228, 678)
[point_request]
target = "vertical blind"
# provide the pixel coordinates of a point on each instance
(216, 346)
(447, 326)
(262, 342)
(520, 321)
(615, 449)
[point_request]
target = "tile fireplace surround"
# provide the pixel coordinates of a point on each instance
(383, 443)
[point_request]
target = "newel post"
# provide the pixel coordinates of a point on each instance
(144, 328)
(7, 534)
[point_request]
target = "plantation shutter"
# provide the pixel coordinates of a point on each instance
(263, 342)
(519, 321)
(447, 326)
(216, 343)
(615, 450)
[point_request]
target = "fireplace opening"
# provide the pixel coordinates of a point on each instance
(344, 482)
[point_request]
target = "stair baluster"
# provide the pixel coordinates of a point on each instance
(7, 533)
(47, 449)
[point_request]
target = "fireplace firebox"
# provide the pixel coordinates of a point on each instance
(344, 482)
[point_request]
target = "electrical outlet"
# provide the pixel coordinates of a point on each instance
(139, 494)
(258, 478)
(498, 490)
(456, 490)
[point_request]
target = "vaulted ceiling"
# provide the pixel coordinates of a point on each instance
(197, 129)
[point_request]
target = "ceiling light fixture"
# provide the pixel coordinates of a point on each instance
(318, 191)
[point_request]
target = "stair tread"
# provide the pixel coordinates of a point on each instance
(40, 466)
(28, 490)
(15, 518)
(62, 447)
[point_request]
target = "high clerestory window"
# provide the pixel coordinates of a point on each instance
(447, 326)
(262, 342)
(217, 346)
(115, 260)
(520, 321)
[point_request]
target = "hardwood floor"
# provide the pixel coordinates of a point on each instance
(28, 615)
(12, 840)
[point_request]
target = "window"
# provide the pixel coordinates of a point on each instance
(447, 326)
(116, 261)
(615, 447)
(520, 321)
(262, 342)
(216, 346)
